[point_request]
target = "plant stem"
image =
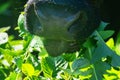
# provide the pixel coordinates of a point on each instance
(94, 71)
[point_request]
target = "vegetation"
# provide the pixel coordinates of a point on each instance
(27, 59)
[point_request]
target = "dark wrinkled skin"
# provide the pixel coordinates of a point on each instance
(64, 24)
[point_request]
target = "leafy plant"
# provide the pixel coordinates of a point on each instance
(27, 59)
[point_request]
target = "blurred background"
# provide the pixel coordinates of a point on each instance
(9, 12)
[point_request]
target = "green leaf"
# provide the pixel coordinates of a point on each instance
(112, 74)
(19, 76)
(17, 42)
(8, 59)
(106, 34)
(28, 69)
(69, 57)
(68, 71)
(17, 45)
(3, 38)
(19, 61)
(43, 52)
(60, 64)
(99, 68)
(36, 43)
(21, 20)
(103, 51)
(48, 67)
(117, 49)
(36, 73)
(83, 72)
(110, 43)
(90, 43)
(80, 63)
(12, 76)
(115, 60)
(118, 38)
(3, 29)
(26, 78)
(86, 72)
(2, 74)
(117, 46)
(10, 52)
(102, 26)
